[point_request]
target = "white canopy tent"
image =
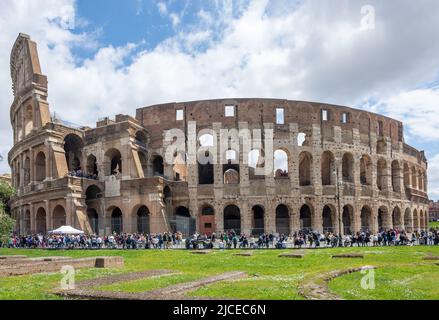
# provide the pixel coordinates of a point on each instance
(66, 230)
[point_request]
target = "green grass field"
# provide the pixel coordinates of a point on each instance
(434, 225)
(401, 273)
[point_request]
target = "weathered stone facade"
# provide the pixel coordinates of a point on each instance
(346, 169)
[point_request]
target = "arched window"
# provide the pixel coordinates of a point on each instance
(258, 220)
(141, 139)
(282, 220)
(205, 168)
(116, 221)
(396, 173)
(92, 166)
(327, 217)
(280, 164)
(256, 164)
(382, 175)
(143, 220)
(348, 167)
(397, 219)
(328, 168)
(366, 170)
(232, 219)
(348, 218)
(231, 176)
(40, 167)
(414, 178)
(305, 167)
(408, 220)
(41, 221)
(58, 217)
(73, 145)
(114, 158)
(305, 218)
(382, 218)
(366, 219)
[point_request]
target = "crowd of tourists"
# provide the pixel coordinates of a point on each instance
(81, 174)
(229, 240)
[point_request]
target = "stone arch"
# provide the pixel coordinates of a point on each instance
(141, 139)
(157, 166)
(305, 169)
(113, 158)
(143, 219)
(382, 174)
(281, 164)
(256, 162)
(328, 168)
(328, 218)
(415, 220)
(408, 220)
(207, 220)
(282, 220)
(40, 167)
(366, 219)
(73, 145)
(93, 219)
(382, 218)
(116, 220)
(41, 221)
(231, 176)
(205, 167)
(348, 167)
(258, 214)
(59, 218)
(366, 170)
(397, 219)
(92, 166)
(396, 174)
(414, 178)
(232, 219)
(348, 217)
(143, 158)
(306, 220)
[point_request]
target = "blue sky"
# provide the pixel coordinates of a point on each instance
(105, 57)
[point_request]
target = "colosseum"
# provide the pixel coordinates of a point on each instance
(334, 168)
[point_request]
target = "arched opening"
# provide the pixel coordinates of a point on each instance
(116, 221)
(406, 176)
(205, 168)
(183, 221)
(328, 168)
(207, 220)
(114, 160)
(256, 164)
(408, 220)
(366, 219)
(141, 139)
(26, 223)
(258, 221)
(305, 165)
(397, 219)
(143, 220)
(396, 173)
(414, 178)
(73, 145)
(282, 220)
(348, 218)
(382, 219)
(157, 166)
(28, 120)
(382, 175)
(305, 218)
(232, 219)
(40, 167)
(26, 171)
(41, 224)
(231, 176)
(327, 217)
(366, 170)
(348, 167)
(93, 219)
(92, 167)
(58, 217)
(280, 164)
(93, 192)
(231, 169)
(415, 220)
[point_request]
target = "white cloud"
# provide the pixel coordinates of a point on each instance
(311, 50)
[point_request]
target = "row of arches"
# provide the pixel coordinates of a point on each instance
(58, 219)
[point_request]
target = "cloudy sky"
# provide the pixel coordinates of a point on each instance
(104, 57)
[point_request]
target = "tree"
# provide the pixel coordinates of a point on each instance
(6, 222)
